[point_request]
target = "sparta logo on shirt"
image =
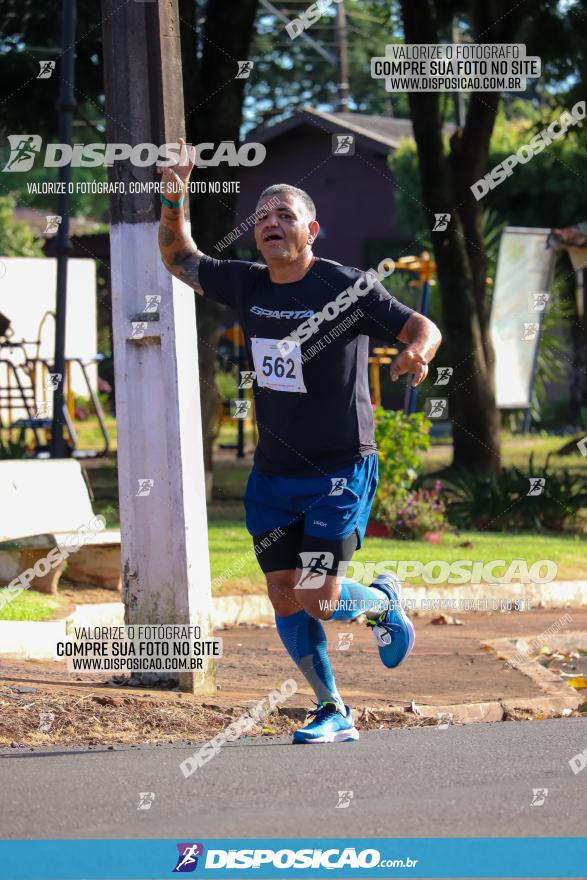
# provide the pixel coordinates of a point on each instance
(271, 313)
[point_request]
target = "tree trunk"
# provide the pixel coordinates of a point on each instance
(214, 100)
(459, 251)
(575, 294)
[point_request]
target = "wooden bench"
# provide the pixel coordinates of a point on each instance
(46, 504)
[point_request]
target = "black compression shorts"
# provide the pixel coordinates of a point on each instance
(282, 552)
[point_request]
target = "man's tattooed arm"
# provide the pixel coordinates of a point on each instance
(179, 251)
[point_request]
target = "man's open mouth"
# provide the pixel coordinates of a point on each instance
(273, 236)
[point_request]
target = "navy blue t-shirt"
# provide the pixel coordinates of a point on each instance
(308, 342)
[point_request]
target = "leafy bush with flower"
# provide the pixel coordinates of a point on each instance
(403, 511)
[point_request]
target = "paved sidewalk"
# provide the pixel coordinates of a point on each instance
(447, 665)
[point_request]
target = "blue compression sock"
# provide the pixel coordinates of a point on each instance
(305, 641)
(358, 599)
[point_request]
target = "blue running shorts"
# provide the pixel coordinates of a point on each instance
(330, 507)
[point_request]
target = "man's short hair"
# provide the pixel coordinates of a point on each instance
(292, 191)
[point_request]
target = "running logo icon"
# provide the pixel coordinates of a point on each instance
(436, 408)
(247, 378)
(338, 485)
(344, 641)
(441, 222)
(146, 799)
(23, 149)
(52, 381)
(187, 860)
(52, 224)
(444, 720)
(152, 302)
(344, 799)
(315, 568)
(444, 375)
(47, 68)
(244, 69)
(145, 487)
(530, 332)
(539, 795)
(46, 720)
(537, 485)
(41, 411)
(138, 329)
(343, 145)
(240, 409)
(537, 302)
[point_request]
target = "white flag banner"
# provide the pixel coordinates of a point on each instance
(524, 270)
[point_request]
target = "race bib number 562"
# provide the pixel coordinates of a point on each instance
(276, 371)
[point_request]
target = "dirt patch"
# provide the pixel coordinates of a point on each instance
(448, 667)
(36, 718)
(86, 595)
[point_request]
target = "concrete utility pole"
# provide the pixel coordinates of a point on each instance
(165, 563)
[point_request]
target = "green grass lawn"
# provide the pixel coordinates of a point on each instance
(235, 569)
(515, 451)
(30, 605)
(89, 435)
(230, 544)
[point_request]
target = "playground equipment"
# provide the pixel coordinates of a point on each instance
(379, 357)
(425, 269)
(235, 336)
(25, 385)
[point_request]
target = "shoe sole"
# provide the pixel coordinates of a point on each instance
(338, 736)
(406, 622)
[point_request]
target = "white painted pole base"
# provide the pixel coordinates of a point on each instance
(164, 529)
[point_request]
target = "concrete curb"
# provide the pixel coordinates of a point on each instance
(31, 639)
(558, 700)
(35, 640)
(559, 697)
(256, 609)
(554, 595)
(232, 610)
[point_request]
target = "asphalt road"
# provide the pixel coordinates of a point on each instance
(474, 780)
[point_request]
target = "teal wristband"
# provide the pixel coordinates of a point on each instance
(169, 204)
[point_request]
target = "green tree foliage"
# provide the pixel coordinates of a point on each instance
(16, 238)
(30, 32)
(547, 191)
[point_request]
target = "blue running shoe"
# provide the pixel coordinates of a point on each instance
(393, 629)
(327, 726)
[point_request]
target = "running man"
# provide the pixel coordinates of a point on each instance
(307, 323)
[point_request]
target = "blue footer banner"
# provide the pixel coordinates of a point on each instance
(382, 858)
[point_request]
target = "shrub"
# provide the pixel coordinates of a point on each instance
(399, 438)
(501, 502)
(13, 448)
(404, 511)
(410, 513)
(423, 513)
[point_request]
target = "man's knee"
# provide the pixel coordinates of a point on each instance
(319, 601)
(280, 589)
